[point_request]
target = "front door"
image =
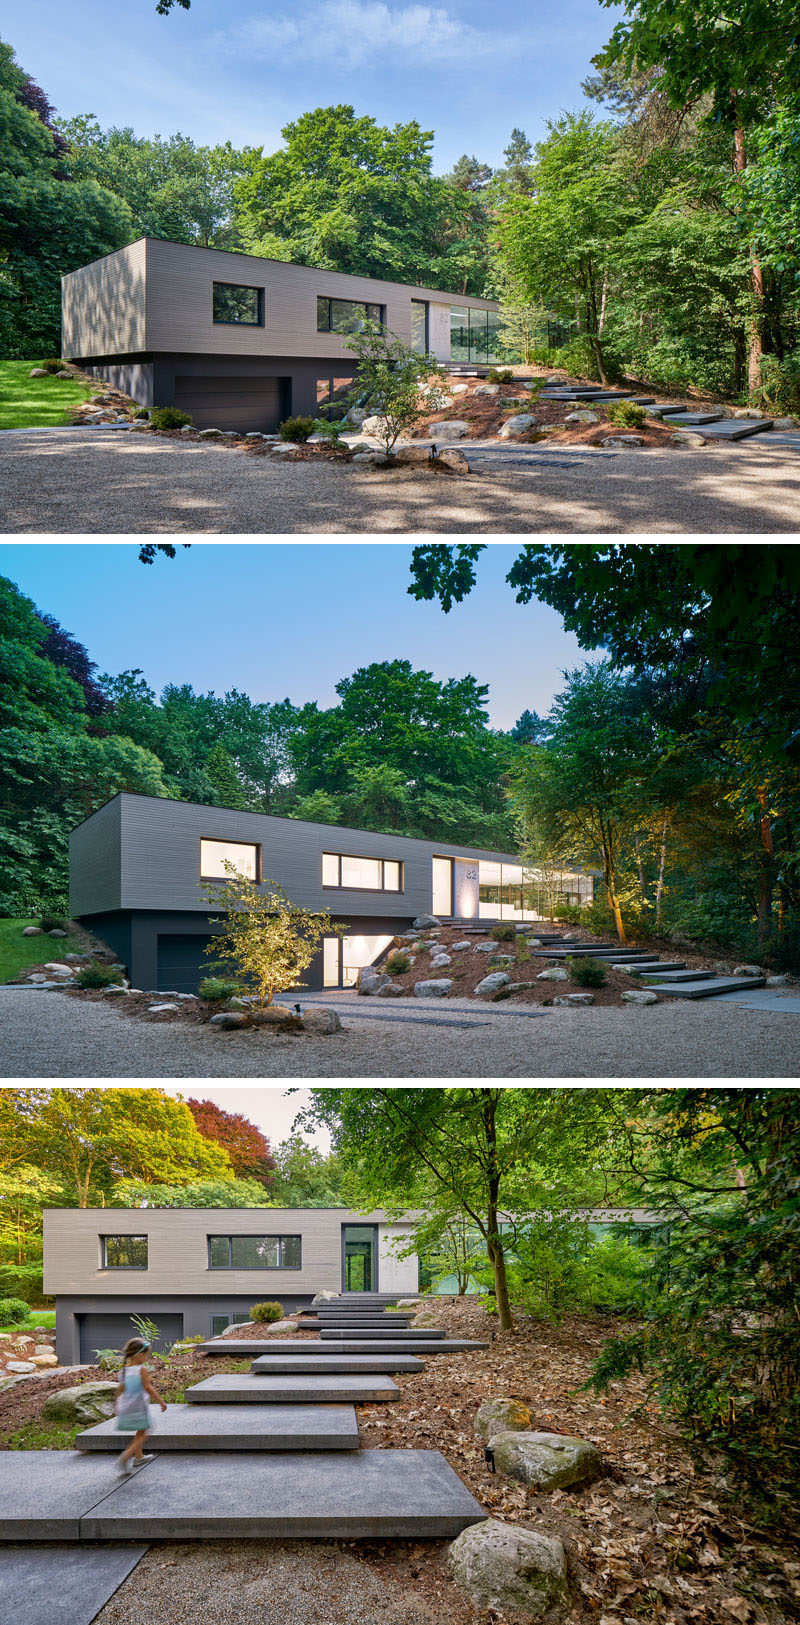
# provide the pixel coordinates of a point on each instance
(359, 1258)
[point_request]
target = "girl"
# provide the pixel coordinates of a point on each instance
(130, 1403)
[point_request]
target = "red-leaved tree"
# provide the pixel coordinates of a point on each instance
(246, 1146)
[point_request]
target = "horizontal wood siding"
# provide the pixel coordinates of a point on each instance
(95, 862)
(103, 305)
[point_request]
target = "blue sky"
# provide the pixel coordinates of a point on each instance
(467, 71)
(292, 619)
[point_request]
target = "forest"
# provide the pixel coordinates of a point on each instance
(651, 233)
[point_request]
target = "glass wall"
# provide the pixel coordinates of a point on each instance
(509, 891)
(358, 952)
(442, 888)
(474, 335)
(419, 326)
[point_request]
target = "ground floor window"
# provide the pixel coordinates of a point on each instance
(333, 397)
(344, 957)
(474, 334)
(219, 1322)
(508, 891)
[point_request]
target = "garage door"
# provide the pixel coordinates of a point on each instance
(232, 403)
(112, 1332)
(182, 963)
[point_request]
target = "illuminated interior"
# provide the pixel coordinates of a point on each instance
(215, 854)
(356, 952)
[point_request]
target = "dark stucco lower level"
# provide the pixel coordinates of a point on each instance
(226, 392)
(86, 1324)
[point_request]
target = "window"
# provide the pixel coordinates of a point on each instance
(442, 889)
(419, 326)
(219, 1322)
(474, 334)
(345, 315)
(361, 874)
(358, 952)
(254, 1252)
(508, 891)
(333, 397)
(124, 1252)
(215, 854)
(236, 306)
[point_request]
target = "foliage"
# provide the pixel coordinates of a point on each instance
(268, 939)
(169, 417)
(585, 971)
(392, 380)
(214, 988)
(25, 1280)
(626, 415)
(36, 403)
(330, 430)
(267, 1312)
(304, 1177)
(397, 963)
(97, 975)
(13, 1311)
(299, 429)
(500, 375)
(247, 1148)
(147, 1329)
(53, 922)
(220, 1192)
(503, 933)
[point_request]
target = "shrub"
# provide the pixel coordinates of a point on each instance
(213, 988)
(108, 1359)
(53, 364)
(22, 1281)
(503, 933)
(397, 963)
(500, 375)
(53, 922)
(266, 1313)
(330, 429)
(13, 1311)
(299, 429)
(96, 975)
(169, 417)
(586, 972)
(626, 415)
(141, 412)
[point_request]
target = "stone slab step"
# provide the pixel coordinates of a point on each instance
(223, 1427)
(315, 1364)
(697, 417)
(226, 1388)
(661, 967)
(679, 973)
(707, 989)
(379, 1333)
(668, 409)
(62, 1585)
(735, 428)
(361, 1495)
(366, 1347)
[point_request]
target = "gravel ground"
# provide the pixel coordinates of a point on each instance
(47, 1035)
(101, 480)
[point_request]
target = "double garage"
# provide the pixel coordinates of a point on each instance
(228, 402)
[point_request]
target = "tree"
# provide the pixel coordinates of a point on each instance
(266, 939)
(173, 188)
(393, 380)
(200, 1193)
(304, 1176)
(518, 175)
(247, 1148)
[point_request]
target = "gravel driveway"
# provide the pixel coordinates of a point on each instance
(49, 1035)
(97, 480)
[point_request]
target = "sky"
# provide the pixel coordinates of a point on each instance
(241, 72)
(290, 620)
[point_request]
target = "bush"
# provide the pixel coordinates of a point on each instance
(53, 364)
(330, 429)
(397, 963)
(213, 988)
(626, 415)
(266, 1313)
(141, 412)
(503, 933)
(169, 417)
(13, 1311)
(585, 971)
(53, 922)
(299, 429)
(500, 375)
(96, 975)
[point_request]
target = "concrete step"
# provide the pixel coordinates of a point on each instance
(379, 1333)
(355, 1495)
(697, 417)
(227, 1388)
(679, 973)
(708, 988)
(336, 1363)
(366, 1346)
(352, 1317)
(62, 1583)
(226, 1427)
(668, 409)
(662, 966)
(735, 428)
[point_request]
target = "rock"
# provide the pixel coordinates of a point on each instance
(777, 981)
(38, 372)
(516, 426)
(555, 974)
(117, 989)
(370, 980)
(575, 998)
(486, 389)
(41, 1348)
(518, 987)
(533, 942)
(510, 1569)
(437, 988)
(747, 970)
(61, 969)
(408, 936)
(209, 434)
(450, 429)
(502, 959)
(390, 990)
(557, 378)
(785, 423)
(236, 1003)
(454, 460)
(548, 1461)
(440, 961)
(459, 389)
(374, 425)
(408, 1303)
(747, 412)
(41, 1361)
(322, 1021)
(369, 459)
(424, 922)
(20, 1368)
(56, 933)
(271, 1015)
(501, 1416)
(491, 984)
(228, 1020)
(90, 1402)
(460, 947)
(413, 454)
(158, 1009)
(484, 947)
(639, 996)
(684, 437)
(32, 931)
(582, 417)
(38, 976)
(622, 442)
(65, 372)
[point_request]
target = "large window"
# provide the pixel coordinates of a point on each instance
(236, 306)
(507, 891)
(442, 887)
(345, 315)
(474, 334)
(123, 1252)
(361, 874)
(215, 854)
(254, 1253)
(419, 326)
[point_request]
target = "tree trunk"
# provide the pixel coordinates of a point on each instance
(766, 875)
(494, 1245)
(661, 867)
(755, 342)
(610, 881)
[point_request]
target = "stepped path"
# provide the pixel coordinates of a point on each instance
(673, 978)
(273, 1453)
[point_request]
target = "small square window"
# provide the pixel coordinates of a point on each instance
(330, 869)
(219, 1252)
(391, 876)
(237, 306)
(124, 1252)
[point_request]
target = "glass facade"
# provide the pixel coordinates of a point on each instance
(215, 854)
(509, 891)
(442, 888)
(358, 952)
(474, 334)
(345, 315)
(236, 306)
(254, 1253)
(419, 326)
(361, 874)
(124, 1252)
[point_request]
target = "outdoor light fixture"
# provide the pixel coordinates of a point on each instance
(488, 1456)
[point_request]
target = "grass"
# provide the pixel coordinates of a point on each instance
(37, 1317)
(16, 951)
(36, 403)
(41, 1435)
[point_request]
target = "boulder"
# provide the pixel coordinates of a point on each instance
(32, 931)
(322, 1021)
(90, 1402)
(375, 426)
(38, 372)
(370, 980)
(685, 437)
(557, 378)
(209, 434)
(548, 1461)
(785, 423)
(368, 459)
(440, 961)
(118, 990)
(519, 424)
(777, 981)
(324, 1297)
(450, 429)
(459, 389)
(460, 947)
(486, 389)
(59, 968)
(582, 417)
(484, 947)
(510, 1569)
(491, 984)
(554, 974)
(66, 372)
(408, 1303)
(272, 1015)
(56, 933)
(413, 454)
(518, 987)
(575, 998)
(747, 412)
(20, 1368)
(161, 1009)
(390, 990)
(622, 442)
(436, 988)
(454, 460)
(747, 970)
(533, 942)
(639, 996)
(41, 1361)
(227, 1020)
(424, 922)
(501, 1416)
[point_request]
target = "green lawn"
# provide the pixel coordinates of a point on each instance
(17, 951)
(35, 403)
(37, 1317)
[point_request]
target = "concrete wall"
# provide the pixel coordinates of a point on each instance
(439, 330)
(400, 1275)
(465, 888)
(103, 305)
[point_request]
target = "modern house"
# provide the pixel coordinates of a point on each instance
(141, 869)
(241, 342)
(196, 1270)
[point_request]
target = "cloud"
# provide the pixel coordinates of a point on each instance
(348, 34)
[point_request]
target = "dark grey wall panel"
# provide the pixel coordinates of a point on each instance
(95, 862)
